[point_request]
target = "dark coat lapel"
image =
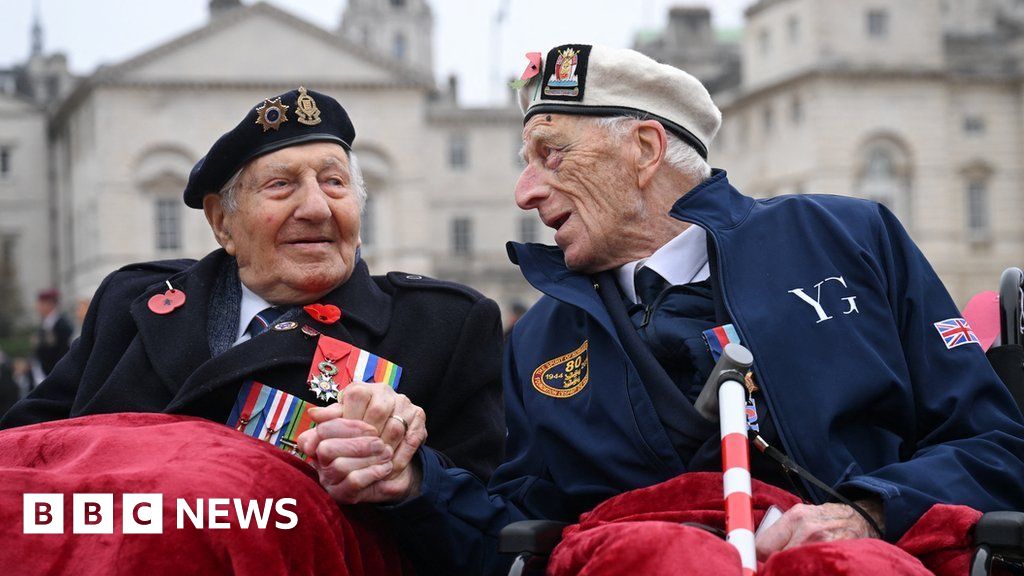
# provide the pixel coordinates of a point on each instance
(366, 314)
(176, 343)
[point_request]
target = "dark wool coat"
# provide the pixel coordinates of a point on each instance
(446, 337)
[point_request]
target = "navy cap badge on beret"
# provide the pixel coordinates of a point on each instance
(268, 127)
(566, 73)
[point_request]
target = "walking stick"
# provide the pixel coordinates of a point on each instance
(725, 396)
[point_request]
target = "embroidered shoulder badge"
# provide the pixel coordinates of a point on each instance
(956, 332)
(564, 376)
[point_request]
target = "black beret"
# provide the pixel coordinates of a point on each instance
(297, 117)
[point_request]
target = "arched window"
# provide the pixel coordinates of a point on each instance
(977, 202)
(884, 176)
(161, 174)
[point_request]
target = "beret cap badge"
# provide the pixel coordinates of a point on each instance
(271, 114)
(294, 118)
(305, 108)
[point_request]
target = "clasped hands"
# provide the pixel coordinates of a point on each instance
(807, 523)
(363, 446)
(363, 449)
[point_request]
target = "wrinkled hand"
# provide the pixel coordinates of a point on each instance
(363, 451)
(805, 523)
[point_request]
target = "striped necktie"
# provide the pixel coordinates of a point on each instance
(263, 320)
(649, 284)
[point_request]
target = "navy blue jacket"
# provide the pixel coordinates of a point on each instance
(837, 305)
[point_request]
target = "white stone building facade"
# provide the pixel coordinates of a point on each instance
(121, 145)
(915, 103)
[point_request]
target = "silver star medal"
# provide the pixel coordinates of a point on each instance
(323, 384)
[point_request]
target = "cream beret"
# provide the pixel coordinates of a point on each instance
(601, 81)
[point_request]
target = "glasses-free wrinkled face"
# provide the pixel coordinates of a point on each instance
(583, 185)
(296, 226)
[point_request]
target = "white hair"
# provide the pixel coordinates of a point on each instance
(678, 154)
(229, 192)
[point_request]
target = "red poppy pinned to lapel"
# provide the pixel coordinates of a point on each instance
(325, 313)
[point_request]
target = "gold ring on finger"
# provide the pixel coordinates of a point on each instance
(401, 421)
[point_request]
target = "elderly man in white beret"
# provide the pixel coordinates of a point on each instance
(858, 381)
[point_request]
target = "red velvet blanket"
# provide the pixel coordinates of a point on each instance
(184, 458)
(639, 532)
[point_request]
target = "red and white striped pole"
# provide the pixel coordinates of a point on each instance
(739, 514)
(726, 386)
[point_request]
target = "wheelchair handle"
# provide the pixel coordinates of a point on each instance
(1011, 324)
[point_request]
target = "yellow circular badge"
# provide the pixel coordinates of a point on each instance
(564, 376)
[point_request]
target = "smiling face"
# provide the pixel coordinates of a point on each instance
(295, 229)
(583, 183)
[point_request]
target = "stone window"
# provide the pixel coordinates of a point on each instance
(398, 3)
(884, 176)
(765, 40)
(793, 26)
(974, 124)
(978, 221)
(168, 224)
(796, 110)
(528, 229)
(458, 151)
(767, 118)
(398, 47)
(5, 161)
(743, 134)
(878, 23)
(462, 236)
(7, 261)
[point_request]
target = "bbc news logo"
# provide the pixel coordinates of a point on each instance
(144, 513)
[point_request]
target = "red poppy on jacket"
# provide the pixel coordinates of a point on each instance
(325, 313)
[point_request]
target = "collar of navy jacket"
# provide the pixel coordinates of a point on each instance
(176, 343)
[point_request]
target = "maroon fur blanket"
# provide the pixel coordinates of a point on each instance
(180, 458)
(639, 532)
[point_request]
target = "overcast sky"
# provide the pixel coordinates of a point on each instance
(466, 40)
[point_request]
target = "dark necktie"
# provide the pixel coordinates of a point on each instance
(263, 320)
(648, 285)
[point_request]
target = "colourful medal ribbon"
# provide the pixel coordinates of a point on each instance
(271, 415)
(354, 364)
(717, 338)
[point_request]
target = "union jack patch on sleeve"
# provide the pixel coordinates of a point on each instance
(956, 332)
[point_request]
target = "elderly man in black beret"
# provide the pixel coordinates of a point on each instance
(273, 313)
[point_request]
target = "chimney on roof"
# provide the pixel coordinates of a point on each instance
(220, 7)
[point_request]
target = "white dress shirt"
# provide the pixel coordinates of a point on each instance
(251, 306)
(682, 260)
